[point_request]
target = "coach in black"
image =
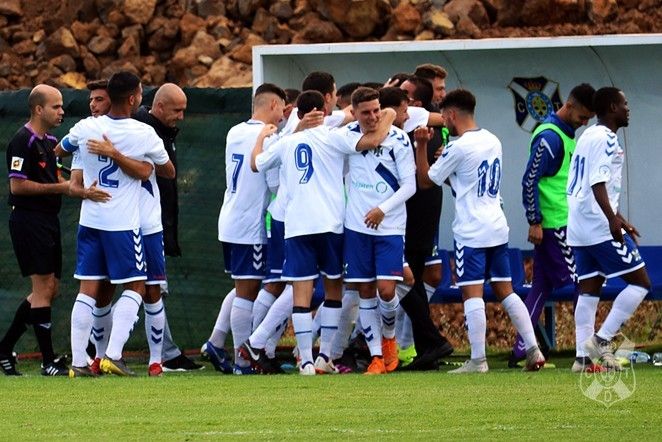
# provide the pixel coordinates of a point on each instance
(35, 194)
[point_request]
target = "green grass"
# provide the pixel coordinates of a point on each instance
(504, 404)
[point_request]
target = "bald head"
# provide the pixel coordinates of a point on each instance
(46, 107)
(169, 104)
(40, 95)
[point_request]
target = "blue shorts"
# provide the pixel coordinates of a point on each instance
(276, 248)
(118, 256)
(608, 259)
(475, 266)
(248, 261)
(227, 260)
(434, 257)
(372, 257)
(307, 256)
(155, 256)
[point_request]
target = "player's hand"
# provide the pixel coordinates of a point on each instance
(630, 229)
(268, 130)
(616, 227)
(535, 234)
(391, 82)
(105, 147)
(95, 194)
(313, 118)
(374, 218)
(422, 135)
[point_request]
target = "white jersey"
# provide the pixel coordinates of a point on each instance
(277, 206)
(312, 169)
(133, 139)
(241, 220)
(598, 158)
(473, 165)
(374, 176)
(418, 116)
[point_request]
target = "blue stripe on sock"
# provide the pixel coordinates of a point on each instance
(328, 327)
(86, 304)
(303, 332)
(126, 296)
(153, 313)
(368, 308)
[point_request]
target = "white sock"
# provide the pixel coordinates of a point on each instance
(274, 339)
(474, 313)
(404, 333)
(429, 290)
(101, 327)
(585, 311)
(348, 314)
(154, 325)
(389, 310)
(329, 326)
(280, 312)
(372, 327)
(125, 315)
(222, 325)
(81, 325)
(240, 323)
(623, 308)
(303, 323)
(519, 315)
(317, 322)
(261, 306)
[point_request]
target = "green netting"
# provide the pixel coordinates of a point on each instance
(196, 279)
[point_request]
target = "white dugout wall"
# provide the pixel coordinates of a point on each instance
(515, 81)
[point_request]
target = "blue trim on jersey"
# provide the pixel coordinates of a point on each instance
(147, 185)
(387, 176)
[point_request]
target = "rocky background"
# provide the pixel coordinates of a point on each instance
(207, 43)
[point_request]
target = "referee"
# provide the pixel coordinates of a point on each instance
(35, 197)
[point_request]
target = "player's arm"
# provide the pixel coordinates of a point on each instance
(422, 135)
(26, 187)
(373, 139)
(267, 130)
(78, 190)
(60, 152)
(311, 119)
(348, 116)
(407, 188)
(140, 170)
(617, 223)
(435, 119)
(166, 170)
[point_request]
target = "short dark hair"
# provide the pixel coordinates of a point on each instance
(321, 82)
(392, 97)
(430, 71)
(122, 85)
(270, 88)
(36, 98)
(291, 95)
(363, 94)
(461, 99)
(309, 100)
(604, 98)
(424, 91)
(348, 89)
(373, 85)
(583, 94)
(97, 84)
(399, 78)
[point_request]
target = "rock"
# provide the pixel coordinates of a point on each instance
(225, 72)
(11, 7)
(248, 8)
(244, 52)
(25, 47)
(206, 60)
(509, 12)
(82, 32)
(188, 26)
(405, 18)
(439, 23)
(65, 63)
(139, 11)
(185, 59)
(282, 9)
(206, 8)
(119, 65)
(135, 31)
(101, 45)
(318, 31)
(357, 18)
(546, 12)
(154, 74)
(60, 42)
(21, 35)
(466, 27)
(129, 48)
(602, 11)
(425, 35)
(39, 36)
(91, 65)
(472, 9)
(262, 21)
(491, 9)
(74, 80)
(47, 74)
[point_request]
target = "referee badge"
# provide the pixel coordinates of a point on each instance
(17, 163)
(535, 98)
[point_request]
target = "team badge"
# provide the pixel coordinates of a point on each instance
(17, 163)
(535, 98)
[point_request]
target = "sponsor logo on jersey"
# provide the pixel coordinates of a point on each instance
(535, 99)
(17, 163)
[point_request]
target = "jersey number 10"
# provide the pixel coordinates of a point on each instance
(492, 173)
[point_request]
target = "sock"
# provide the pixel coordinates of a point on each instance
(348, 314)
(154, 330)
(403, 330)
(520, 318)
(222, 325)
(125, 315)
(280, 312)
(274, 339)
(240, 323)
(372, 328)
(261, 306)
(81, 325)
(329, 325)
(41, 323)
(317, 322)
(17, 327)
(474, 314)
(623, 308)
(302, 320)
(389, 310)
(170, 350)
(102, 324)
(585, 311)
(429, 290)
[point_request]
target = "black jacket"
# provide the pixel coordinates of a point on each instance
(167, 187)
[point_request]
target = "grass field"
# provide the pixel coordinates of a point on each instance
(503, 404)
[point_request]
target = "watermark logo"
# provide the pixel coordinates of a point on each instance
(609, 387)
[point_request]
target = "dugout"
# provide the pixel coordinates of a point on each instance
(516, 81)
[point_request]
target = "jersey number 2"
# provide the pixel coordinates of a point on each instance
(493, 172)
(104, 174)
(303, 158)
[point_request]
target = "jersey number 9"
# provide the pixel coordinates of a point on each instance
(303, 158)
